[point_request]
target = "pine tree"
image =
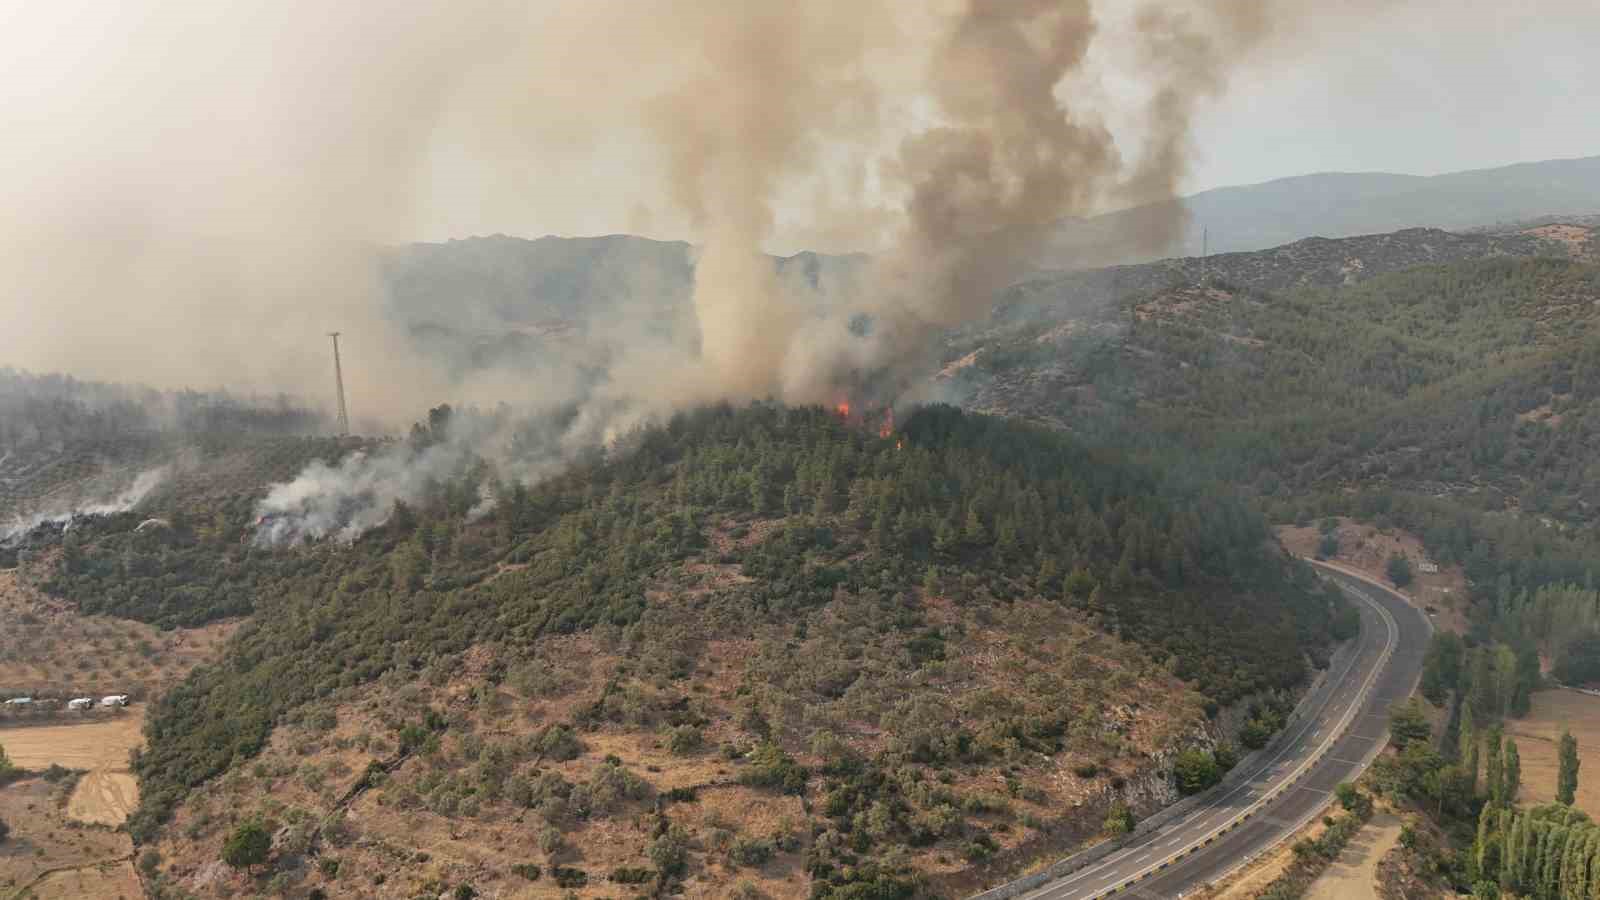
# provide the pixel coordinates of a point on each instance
(1567, 777)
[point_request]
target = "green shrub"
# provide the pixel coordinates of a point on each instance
(685, 740)
(1194, 771)
(558, 742)
(771, 767)
(247, 846)
(530, 871)
(1120, 819)
(568, 877)
(751, 852)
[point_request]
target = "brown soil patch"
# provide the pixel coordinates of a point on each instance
(104, 798)
(108, 792)
(109, 879)
(1543, 415)
(1536, 736)
(51, 856)
(1365, 550)
(1353, 876)
(1574, 237)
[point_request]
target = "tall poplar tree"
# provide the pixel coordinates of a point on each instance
(1567, 776)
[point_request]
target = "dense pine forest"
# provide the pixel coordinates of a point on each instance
(805, 513)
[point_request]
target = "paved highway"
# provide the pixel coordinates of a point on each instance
(1344, 726)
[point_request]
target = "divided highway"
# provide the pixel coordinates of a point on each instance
(1342, 728)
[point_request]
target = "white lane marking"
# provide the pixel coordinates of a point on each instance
(1381, 659)
(1393, 638)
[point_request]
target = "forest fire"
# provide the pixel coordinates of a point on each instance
(864, 418)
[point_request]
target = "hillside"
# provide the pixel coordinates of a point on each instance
(1342, 204)
(560, 303)
(761, 646)
(1443, 364)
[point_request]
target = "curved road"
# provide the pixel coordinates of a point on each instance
(1345, 726)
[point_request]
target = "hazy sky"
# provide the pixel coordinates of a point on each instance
(1423, 89)
(190, 190)
(1419, 87)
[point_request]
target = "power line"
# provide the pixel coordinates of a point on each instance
(338, 375)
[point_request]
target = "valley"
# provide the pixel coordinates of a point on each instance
(770, 652)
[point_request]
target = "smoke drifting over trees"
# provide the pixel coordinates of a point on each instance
(197, 193)
(200, 193)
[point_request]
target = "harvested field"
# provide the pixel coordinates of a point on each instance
(1536, 743)
(108, 792)
(50, 856)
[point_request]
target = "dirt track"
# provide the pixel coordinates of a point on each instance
(108, 793)
(1353, 876)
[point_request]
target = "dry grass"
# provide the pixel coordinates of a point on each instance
(1536, 736)
(1143, 710)
(1366, 550)
(43, 839)
(108, 792)
(48, 649)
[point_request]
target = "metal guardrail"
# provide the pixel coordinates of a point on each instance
(1292, 782)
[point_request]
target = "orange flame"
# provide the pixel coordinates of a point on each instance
(899, 445)
(887, 428)
(843, 409)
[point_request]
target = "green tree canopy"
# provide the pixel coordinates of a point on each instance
(1567, 773)
(247, 846)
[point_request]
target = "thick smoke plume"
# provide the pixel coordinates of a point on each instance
(61, 515)
(197, 193)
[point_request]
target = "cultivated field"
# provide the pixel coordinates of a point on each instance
(48, 649)
(50, 856)
(108, 792)
(1536, 743)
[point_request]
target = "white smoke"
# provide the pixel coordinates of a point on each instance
(120, 501)
(344, 501)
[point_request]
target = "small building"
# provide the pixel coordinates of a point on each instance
(114, 700)
(80, 703)
(1428, 567)
(19, 701)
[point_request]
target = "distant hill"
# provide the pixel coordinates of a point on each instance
(500, 300)
(1446, 364)
(1340, 204)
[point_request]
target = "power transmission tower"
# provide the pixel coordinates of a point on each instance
(1205, 252)
(338, 375)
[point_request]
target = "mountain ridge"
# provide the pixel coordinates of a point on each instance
(1343, 204)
